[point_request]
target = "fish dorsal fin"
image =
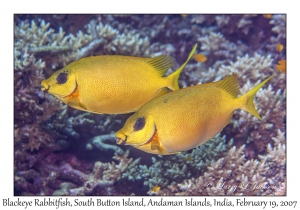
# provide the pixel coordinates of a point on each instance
(161, 63)
(129, 57)
(230, 84)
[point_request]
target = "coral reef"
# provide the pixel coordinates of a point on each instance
(175, 168)
(234, 175)
(62, 151)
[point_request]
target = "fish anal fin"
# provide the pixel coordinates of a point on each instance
(162, 91)
(82, 106)
(161, 63)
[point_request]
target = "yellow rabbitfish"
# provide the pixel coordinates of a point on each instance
(184, 119)
(113, 84)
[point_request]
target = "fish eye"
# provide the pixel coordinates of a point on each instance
(139, 124)
(62, 78)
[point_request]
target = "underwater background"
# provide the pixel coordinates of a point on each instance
(59, 150)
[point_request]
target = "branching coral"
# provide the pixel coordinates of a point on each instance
(32, 108)
(66, 175)
(235, 22)
(234, 175)
(279, 28)
(170, 169)
(279, 22)
(101, 143)
(104, 176)
(42, 39)
(221, 49)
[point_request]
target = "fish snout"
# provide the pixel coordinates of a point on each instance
(45, 87)
(121, 139)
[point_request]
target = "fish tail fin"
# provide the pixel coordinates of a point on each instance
(247, 99)
(173, 78)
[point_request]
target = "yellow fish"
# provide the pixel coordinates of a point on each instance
(279, 47)
(113, 84)
(184, 119)
(281, 66)
(267, 16)
(155, 188)
(200, 58)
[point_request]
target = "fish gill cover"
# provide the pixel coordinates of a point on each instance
(59, 150)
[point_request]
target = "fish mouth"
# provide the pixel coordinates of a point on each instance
(121, 141)
(45, 87)
(45, 90)
(122, 138)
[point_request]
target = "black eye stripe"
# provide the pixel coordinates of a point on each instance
(139, 124)
(62, 78)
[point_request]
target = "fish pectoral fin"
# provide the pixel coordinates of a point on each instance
(156, 145)
(161, 63)
(74, 100)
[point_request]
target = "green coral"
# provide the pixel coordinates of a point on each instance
(166, 170)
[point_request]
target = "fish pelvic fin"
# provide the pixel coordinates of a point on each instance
(247, 99)
(155, 145)
(173, 78)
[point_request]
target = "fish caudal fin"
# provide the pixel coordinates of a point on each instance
(173, 78)
(247, 99)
